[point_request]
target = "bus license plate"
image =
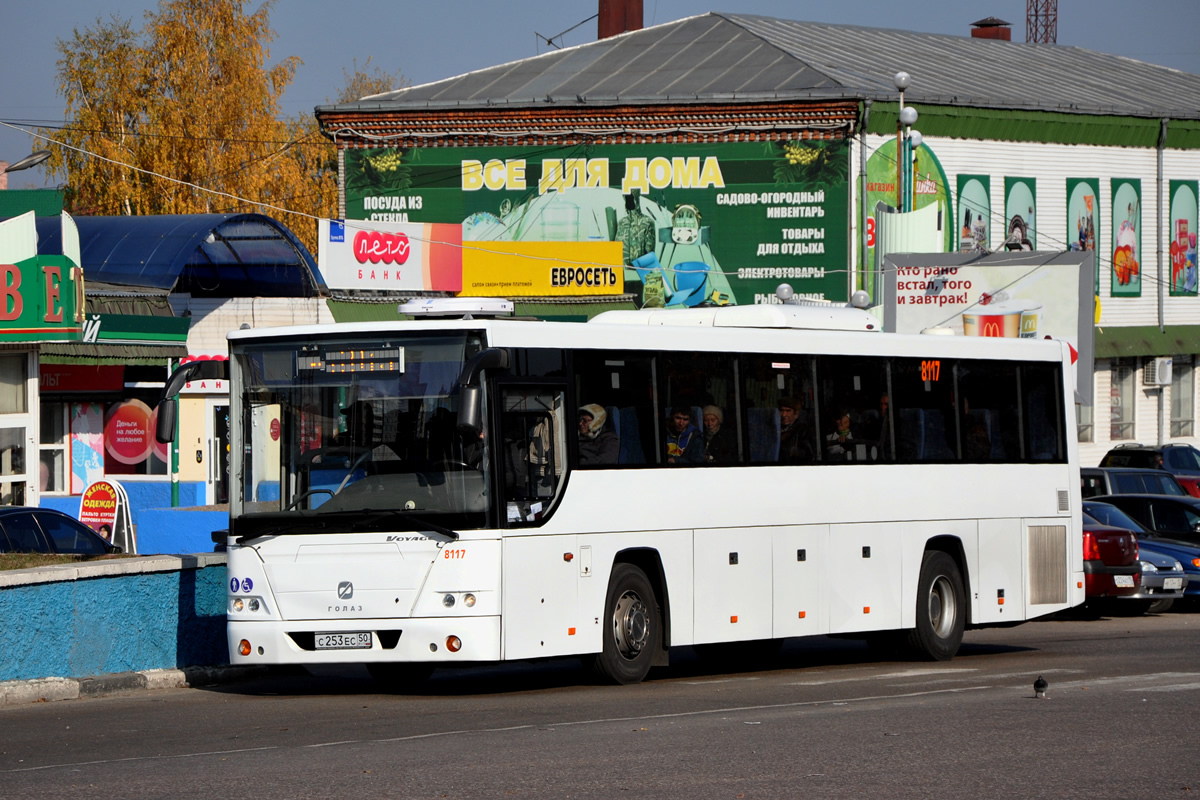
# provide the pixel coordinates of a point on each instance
(355, 640)
(1122, 580)
(1172, 583)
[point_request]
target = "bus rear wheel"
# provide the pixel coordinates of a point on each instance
(632, 628)
(941, 609)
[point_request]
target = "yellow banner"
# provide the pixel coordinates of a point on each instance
(522, 269)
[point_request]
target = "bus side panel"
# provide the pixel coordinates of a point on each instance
(732, 589)
(541, 597)
(1001, 571)
(672, 549)
(864, 570)
(801, 566)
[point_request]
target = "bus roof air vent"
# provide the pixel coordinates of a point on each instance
(464, 307)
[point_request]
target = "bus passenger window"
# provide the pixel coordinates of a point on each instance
(923, 400)
(700, 409)
(778, 400)
(619, 387)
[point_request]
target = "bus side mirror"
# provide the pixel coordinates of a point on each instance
(164, 431)
(470, 394)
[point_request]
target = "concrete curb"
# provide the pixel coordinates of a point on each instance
(42, 690)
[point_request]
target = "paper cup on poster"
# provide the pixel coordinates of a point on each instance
(1031, 315)
(1001, 320)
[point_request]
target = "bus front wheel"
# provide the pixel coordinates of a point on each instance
(632, 627)
(941, 609)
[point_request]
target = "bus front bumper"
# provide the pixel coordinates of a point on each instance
(361, 641)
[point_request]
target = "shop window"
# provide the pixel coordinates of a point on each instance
(1085, 424)
(52, 449)
(13, 376)
(129, 444)
(1183, 396)
(1121, 393)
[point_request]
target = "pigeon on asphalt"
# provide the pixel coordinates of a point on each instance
(1039, 688)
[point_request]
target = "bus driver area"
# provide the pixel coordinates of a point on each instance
(436, 495)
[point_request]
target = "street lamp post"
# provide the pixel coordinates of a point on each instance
(31, 160)
(901, 81)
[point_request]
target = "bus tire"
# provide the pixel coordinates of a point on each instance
(632, 629)
(941, 609)
(400, 676)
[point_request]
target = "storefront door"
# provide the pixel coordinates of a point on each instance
(217, 435)
(18, 448)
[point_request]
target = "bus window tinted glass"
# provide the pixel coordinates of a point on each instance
(700, 412)
(854, 401)
(622, 386)
(989, 406)
(779, 404)
(1045, 439)
(923, 396)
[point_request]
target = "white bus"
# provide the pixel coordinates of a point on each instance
(439, 492)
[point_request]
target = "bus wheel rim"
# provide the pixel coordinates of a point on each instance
(942, 607)
(631, 625)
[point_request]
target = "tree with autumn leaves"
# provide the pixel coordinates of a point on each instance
(183, 117)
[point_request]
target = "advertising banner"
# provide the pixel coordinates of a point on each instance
(720, 223)
(87, 444)
(1182, 236)
(930, 187)
(1037, 295)
(539, 269)
(974, 213)
(1020, 213)
(104, 507)
(1083, 219)
(356, 254)
(1127, 237)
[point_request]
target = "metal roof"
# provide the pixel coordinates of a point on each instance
(720, 57)
(206, 255)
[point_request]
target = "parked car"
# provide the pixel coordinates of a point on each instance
(26, 529)
(1096, 481)
(1188, 555)
(1110, 561)
(1162, 515)
(1179, 459)
(1163, 582)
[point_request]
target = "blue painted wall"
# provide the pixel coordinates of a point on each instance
(160, 528)
(114, 623)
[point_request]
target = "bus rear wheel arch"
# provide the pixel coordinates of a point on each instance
(632, 624)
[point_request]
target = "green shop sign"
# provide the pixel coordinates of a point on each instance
(699, 223)
(41, 299)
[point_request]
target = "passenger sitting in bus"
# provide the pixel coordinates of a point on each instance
(839, 445)
(685, 444)
(597, 445)
(719, 444)
(794, 444)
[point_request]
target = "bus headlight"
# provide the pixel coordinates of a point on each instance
(448, 601)
(469, 600)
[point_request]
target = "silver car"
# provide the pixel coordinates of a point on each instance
(1163, 582)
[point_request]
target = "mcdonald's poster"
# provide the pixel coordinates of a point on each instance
(974, 213)
(1127, 237)
(674, 225)
(1182, 236)
(1015, 295)
(1083, 218)
(1020, 214)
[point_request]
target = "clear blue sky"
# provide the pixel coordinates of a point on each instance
(428, 41)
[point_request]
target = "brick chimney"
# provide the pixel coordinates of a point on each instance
(618, 16)
(992, 28)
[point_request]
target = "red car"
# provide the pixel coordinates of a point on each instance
(1110, 561)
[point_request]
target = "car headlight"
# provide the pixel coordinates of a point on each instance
(1148, 567)
(1178, 567)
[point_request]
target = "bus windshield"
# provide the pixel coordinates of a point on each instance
(351, 425)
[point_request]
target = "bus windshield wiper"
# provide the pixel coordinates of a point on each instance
(418, 522)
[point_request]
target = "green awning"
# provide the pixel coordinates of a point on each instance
(1147, 340)
(360, 311)
(1011, 125)
(89, 353)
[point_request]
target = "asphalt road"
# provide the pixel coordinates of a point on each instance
(824, 720)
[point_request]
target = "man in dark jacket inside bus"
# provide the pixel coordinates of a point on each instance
(597, 444)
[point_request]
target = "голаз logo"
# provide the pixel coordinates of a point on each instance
(345, 590)
(374, 246)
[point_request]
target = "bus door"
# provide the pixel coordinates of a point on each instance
(530, 450)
